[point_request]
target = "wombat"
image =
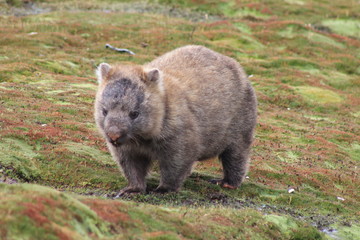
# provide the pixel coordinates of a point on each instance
(188, 105)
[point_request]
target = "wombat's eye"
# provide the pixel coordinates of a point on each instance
(104, 112)
(133, 114)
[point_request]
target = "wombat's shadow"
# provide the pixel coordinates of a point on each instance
(192, 183)
(199, 191)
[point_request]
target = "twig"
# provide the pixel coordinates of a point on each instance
(192, 33)
(119, 49)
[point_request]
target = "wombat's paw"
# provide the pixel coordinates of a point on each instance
(226, 185)
(127, 191)
(222, 183)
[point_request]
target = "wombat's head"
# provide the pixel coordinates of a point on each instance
(129, 103)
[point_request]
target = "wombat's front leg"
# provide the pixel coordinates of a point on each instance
(135, 168)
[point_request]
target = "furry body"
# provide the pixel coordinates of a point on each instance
(188, 105)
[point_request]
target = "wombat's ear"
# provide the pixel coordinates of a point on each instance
(153, 75)
(101, 72)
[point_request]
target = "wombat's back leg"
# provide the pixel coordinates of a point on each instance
(235, 161)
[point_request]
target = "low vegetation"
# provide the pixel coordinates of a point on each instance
(57, 179)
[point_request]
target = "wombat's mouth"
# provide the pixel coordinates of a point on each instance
(118, 141)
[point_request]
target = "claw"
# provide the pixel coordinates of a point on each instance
(222, 183)
(216, 181)
(225, 185)
(128, 192)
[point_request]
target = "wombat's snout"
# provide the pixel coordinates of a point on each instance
(116, 136)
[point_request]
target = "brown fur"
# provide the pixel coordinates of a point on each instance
(190, 104)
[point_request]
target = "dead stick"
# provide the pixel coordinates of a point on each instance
(119, 49)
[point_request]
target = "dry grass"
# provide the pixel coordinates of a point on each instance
(305, 71)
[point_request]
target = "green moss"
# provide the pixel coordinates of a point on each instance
(355, 151)
(347, 232)
(55, 67)
(230, 9)
(243, 27)
(284, 223)
(290, 157)
(33, 215)
(24, 228)
(352, 149)
(85, 86)
(22, 129)
(330, 165)
(58, 67)
(79, 172)
(241, 43)
(295, 31)
(319, 38)
(68, 110)
(168, 236)
(88, 151)
(61, 102)
(318, 95)
(20, 75)
(296, 2)
(346, 27)
(5, 76)
(339, 80)
(292, 31)
(149, 219)
(347, 65)
(19, 159)
(15, 3)
(298, 63)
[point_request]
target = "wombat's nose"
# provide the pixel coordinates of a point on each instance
(113, 133)
(113, 136)
(116, 136)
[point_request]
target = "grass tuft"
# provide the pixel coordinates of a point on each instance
(302, 58)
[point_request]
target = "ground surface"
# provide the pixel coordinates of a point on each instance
(303, 58)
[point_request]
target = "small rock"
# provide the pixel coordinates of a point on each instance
(291, 190)
(144, 45)
(340, 198)
(32, 33)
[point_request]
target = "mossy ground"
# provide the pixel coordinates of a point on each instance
(304, 60)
